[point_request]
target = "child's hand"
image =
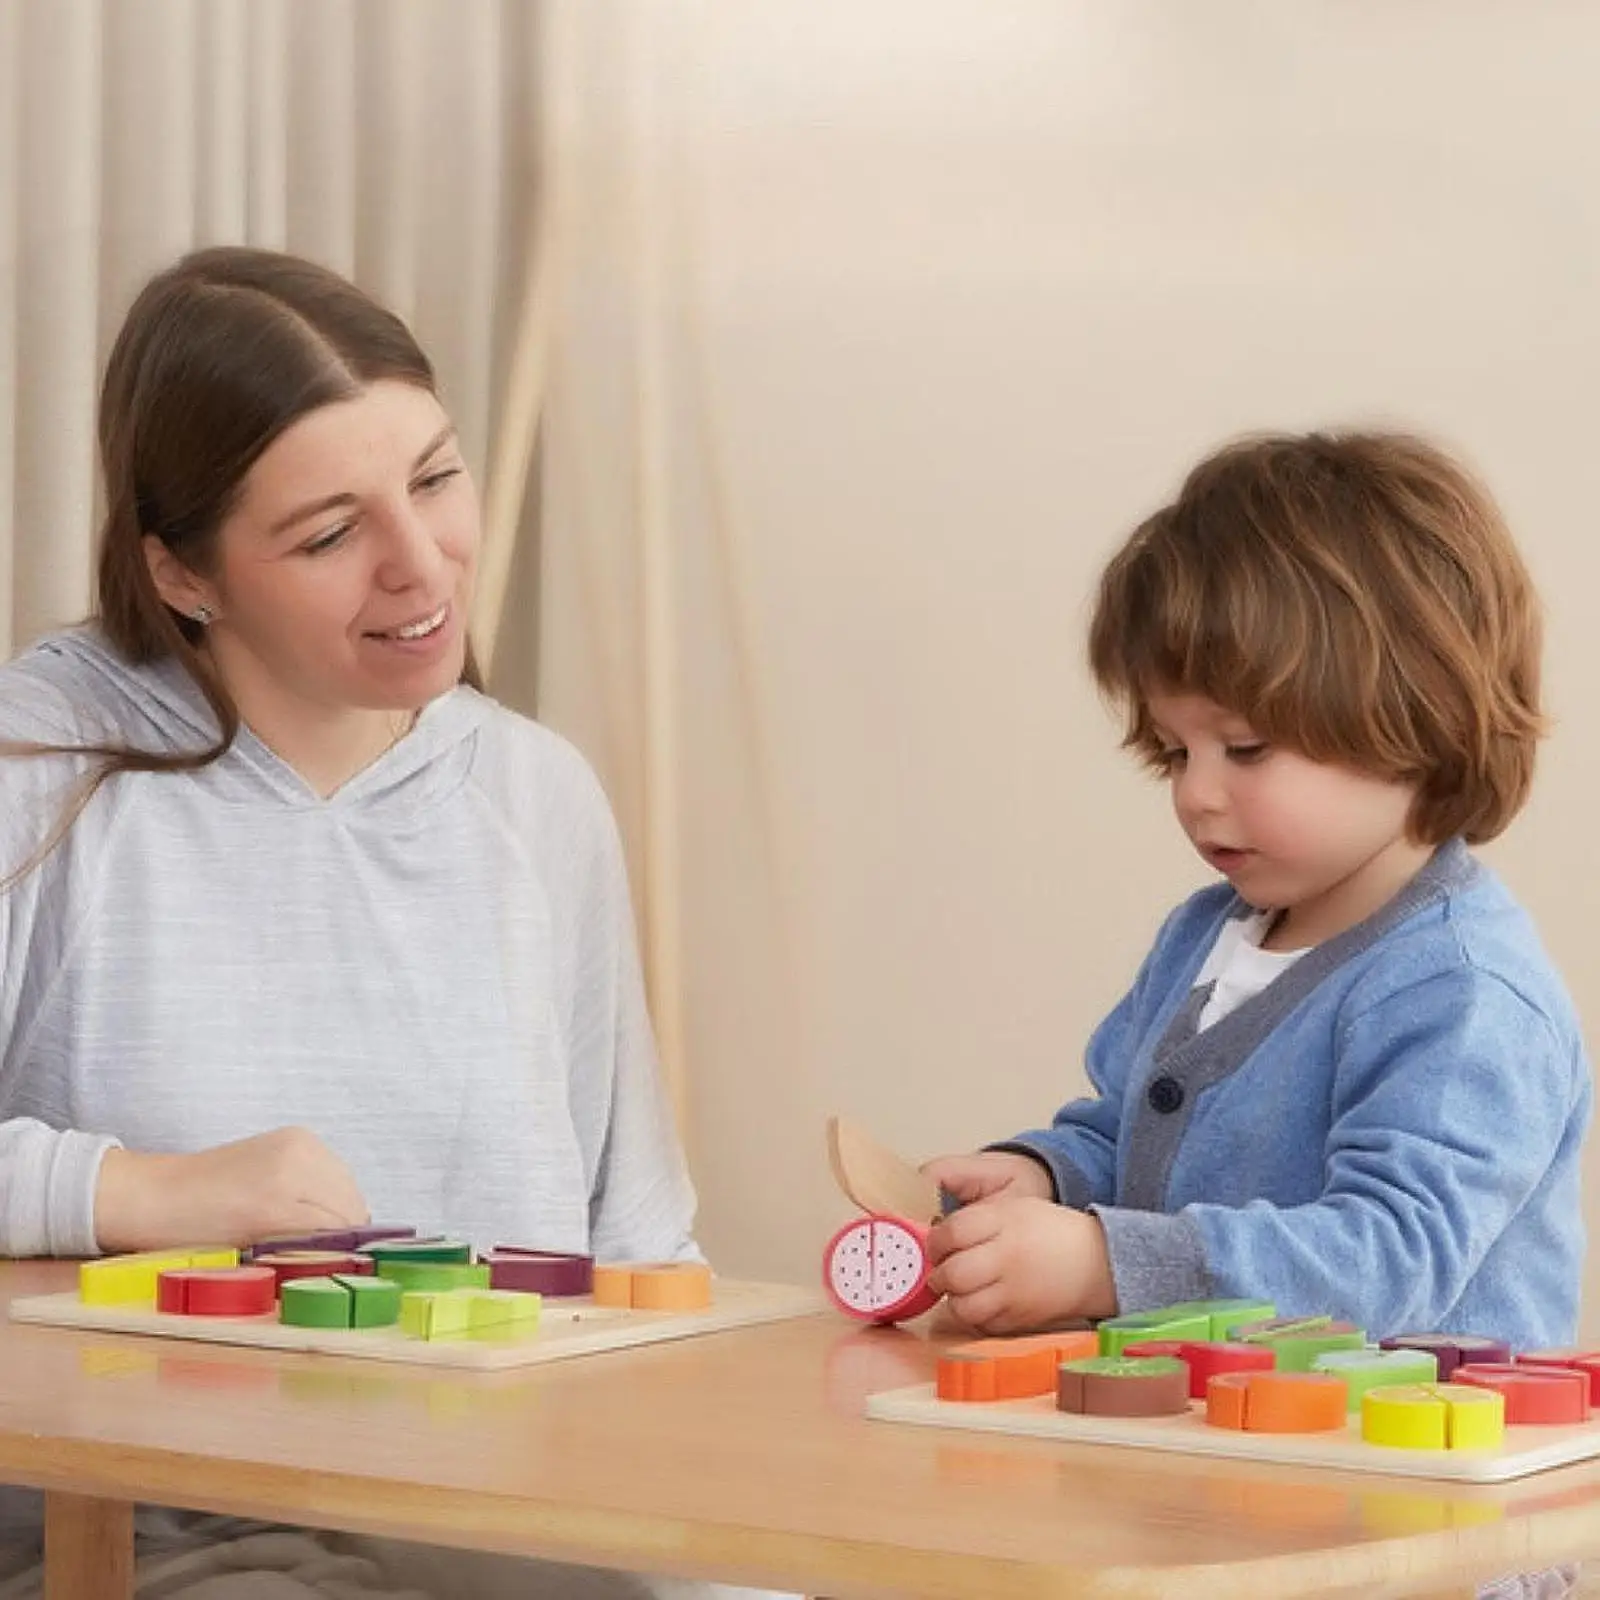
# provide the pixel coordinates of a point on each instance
(987, 1173)
(1017, 1262)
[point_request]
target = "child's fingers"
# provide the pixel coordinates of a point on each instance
(986, 1310)
(962, 1230)
(966, 1271)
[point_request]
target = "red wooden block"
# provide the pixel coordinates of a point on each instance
(1532, 1394)
(217, 1291)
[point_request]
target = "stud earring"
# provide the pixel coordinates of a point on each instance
(203, 615)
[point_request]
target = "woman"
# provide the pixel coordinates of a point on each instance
(301, 928)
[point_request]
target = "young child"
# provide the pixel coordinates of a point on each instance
(1348, 1078)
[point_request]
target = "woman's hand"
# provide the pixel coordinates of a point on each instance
(1013, 1262)
(286, 1181)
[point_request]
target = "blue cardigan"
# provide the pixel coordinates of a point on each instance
(1390, 1131)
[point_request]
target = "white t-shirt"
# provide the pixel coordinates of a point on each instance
(1238, 967)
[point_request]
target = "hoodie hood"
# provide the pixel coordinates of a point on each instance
(74, 687)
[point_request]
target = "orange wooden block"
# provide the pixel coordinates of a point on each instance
(1009, 1369)
(1277, 1402)
(653, 1285)
(613, 1286)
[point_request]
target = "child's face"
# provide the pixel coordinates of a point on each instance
(1324, 844)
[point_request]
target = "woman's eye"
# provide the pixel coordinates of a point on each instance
(327, 541)
(437, 480)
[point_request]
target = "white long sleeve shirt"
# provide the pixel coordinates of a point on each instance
(434, 969)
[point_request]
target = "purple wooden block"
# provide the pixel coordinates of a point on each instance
(1451, 1350)
(547, 1272)
(327, 1239)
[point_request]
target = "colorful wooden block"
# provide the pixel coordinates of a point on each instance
(374, 1302)
(1542, 1395)
(1008, 1369)
(1296, 1342)
(131, 1279)
(1140, 1327)
(217, 1291)
(314, 1303)
(653, 1285)
(1225, 1315)
(1584, 1361)
(339, 1239)
(1276, 1402)
(1433, 1416)
(434, 1276)
(1205, 1360)
(442, 1314)
(1372, 1368)
(542, 1272)
(501, 1308)
(1450, 1350)
(432, 1251)
(1123, 1386)
(287, 1265)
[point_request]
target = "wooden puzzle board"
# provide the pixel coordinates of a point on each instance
(1526, 1449)
(575, 1327)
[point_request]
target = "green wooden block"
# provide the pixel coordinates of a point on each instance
(374, 1302)
(1368, 1368)
(435, 1276)
(1168, 1322)
(1225, 1315)
(1296, 1352)
(1125, 1366)
(314, 1303)
(439, 1250)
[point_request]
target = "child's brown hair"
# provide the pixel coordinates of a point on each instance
(1356, 597)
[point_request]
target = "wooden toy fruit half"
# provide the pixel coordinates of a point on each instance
(876, 1269)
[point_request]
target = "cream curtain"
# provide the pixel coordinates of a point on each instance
(395, 140)
(880, 325)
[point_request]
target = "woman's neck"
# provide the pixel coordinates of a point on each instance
(326, 745)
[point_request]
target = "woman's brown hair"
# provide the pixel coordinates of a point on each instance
(1354, 596)
(217, 357)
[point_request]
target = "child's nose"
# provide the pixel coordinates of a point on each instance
(1199, 790)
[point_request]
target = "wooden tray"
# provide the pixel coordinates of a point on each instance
(1526, 1449)
(575, 1327)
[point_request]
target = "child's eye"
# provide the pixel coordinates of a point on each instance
(1244, 754)
(1170, 759)
(327, 541)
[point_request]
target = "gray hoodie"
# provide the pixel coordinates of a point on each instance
(434, 969)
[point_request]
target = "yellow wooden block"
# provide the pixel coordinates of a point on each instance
(436, 1313)
(500, 1308)
(131, 1279)
(1433, 1416)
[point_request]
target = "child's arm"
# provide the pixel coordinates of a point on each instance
(1457, 1104)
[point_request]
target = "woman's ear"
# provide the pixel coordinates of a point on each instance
(176, 584)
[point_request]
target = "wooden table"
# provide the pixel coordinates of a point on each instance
(741, 1456)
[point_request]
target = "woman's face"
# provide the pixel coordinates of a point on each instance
(343, 577)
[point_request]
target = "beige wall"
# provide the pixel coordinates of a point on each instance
(930, 300)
